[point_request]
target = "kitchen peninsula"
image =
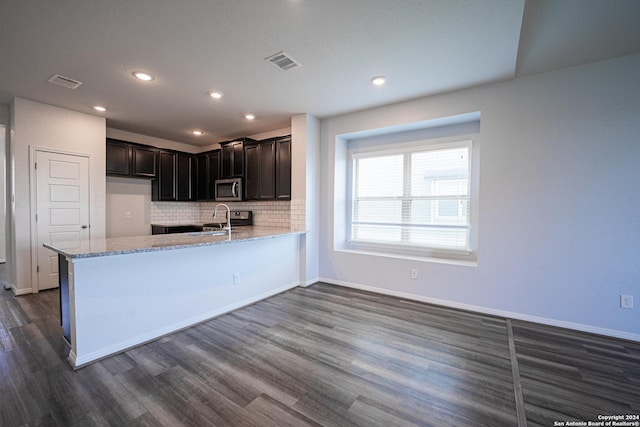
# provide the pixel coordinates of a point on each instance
(117, 293)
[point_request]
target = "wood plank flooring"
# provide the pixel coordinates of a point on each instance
(322, 355)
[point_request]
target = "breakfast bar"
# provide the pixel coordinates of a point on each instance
(118, 293)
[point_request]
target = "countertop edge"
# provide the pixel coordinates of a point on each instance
(96, 254)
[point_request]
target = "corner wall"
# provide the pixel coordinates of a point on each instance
(39, 125)
(559, 218)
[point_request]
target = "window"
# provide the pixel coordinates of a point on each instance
(412, 197)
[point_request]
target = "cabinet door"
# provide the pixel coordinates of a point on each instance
(238, 159)
(165, 184)
(213, 164)
(227, 162)
(202, 174)
(143, 161)
(118, 158)
(267, 175)
(232, 163)
(185, 177)
(283, 169)
(252, 173)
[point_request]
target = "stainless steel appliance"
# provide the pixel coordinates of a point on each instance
(238, 219)
(228, 190)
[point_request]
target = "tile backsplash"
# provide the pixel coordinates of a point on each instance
(174, 212)
(271, 213)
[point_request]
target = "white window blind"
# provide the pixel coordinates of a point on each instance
(417, 197)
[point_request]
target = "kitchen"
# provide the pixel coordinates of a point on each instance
(227, 238)
(555, 135)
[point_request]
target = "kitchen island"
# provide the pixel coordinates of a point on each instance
(118, 293)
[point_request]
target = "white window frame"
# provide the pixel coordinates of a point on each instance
(407, 250)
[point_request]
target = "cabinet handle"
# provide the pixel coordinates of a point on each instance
(85, 226)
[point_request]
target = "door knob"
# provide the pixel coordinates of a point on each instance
(85, 226)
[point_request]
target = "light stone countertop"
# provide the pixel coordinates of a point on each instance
(162, 242)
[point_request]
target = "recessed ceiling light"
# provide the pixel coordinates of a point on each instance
(216, 94)
(197, 132)
(143, 76)
(378, 80)
(99, 108)
(249, 116)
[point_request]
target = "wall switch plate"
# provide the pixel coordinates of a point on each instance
(127, 214)
(413, 273)
(236, 279)
(626, 301)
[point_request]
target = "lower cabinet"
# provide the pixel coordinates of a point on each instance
(171, 229)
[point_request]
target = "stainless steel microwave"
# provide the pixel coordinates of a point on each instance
(228, 190)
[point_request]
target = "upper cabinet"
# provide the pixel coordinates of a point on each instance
(259, 178)
(131, 160)
(208, 171)
(283, 168)
(143, 161)
(186, 177)
(268, 170)
(177, 177)
(232, 161)
(265, 167)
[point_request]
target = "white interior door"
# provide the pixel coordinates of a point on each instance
(62, 198)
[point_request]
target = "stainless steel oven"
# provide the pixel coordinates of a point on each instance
(228, 190)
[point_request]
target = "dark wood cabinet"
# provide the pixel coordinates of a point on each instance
(118, 158)
(131, 160)
(176, 178)
(172, 229)
(185, 176)
(260, 171)
(208, 171)
(143, 161)
(232, 158)
(268, 169)
(283, 168)
(163, 188)
(265, 167)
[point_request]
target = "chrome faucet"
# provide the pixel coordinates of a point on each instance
(215, 215)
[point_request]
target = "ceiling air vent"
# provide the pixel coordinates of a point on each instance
(67, 82)
(283, 61)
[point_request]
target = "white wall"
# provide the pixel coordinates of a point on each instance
(39, 125)
(2, 193)
(559, 216)
(128, 202)
(305, 148)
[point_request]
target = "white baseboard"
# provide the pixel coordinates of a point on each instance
(491, 311)
(310, 282)
(20, 291)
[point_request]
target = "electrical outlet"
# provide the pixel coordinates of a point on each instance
(127, 214)
(236, 279)
(626, 301)
(413, 273)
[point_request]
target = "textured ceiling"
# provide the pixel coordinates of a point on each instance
(423, 47)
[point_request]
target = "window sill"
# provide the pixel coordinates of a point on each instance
(410, 256)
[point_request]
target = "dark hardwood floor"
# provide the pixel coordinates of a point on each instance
(323, 355)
